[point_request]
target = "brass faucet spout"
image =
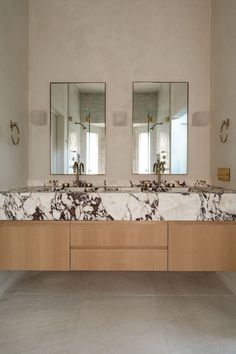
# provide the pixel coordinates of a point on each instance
(159, 168)
(78, 169)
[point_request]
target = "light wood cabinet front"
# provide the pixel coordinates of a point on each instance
(120, 245)
(119, 234)
(118, 259)
(202, 246)
(32, 245)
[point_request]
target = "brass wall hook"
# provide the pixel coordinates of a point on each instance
(15, 132)
(224, 130)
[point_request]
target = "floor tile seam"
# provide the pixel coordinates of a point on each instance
(3, 304)
(50, 294)
(78, 313)
(25, 336)
(167, 341)
(151, 283)
(87, 284)
(88, 295)
(39, 323)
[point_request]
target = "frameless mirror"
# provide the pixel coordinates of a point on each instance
(78, 122)
(160, 118)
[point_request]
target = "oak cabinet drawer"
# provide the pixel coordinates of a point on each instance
(202, 246)
(118, 259)
(119, 234)
(32, 245)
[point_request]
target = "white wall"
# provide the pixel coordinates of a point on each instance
(223, 88)
(119, 41)
(13, 91)
(13, 100)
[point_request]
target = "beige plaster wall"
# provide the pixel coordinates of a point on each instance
(223, 87)
(119, 41)
(223, 101)
(13, 91)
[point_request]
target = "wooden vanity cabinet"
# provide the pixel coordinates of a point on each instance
(34, 245)
(202, 246)
(120, 245)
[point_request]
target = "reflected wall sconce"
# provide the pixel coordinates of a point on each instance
(38, 117)
(15, 132)
(200, 119)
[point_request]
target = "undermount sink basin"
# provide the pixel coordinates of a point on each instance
(128, 190)
(102, 189)
(113, 189)
(74, 189)
(178, 190)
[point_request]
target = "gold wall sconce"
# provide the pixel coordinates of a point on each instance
(224, 131)
(15, 132)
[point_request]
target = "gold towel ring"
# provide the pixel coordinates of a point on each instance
(15, 132)
(224, 131)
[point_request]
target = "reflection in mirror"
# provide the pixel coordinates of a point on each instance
(78, 122)
(160, 115)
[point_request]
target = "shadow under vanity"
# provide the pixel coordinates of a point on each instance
(147, 226)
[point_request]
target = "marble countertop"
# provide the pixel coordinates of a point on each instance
(126, 203)
(123, 189)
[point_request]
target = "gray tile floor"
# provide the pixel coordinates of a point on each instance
(118, 313)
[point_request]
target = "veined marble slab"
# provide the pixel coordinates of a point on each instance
(68, 205)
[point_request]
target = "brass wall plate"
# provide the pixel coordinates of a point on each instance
(224, 174)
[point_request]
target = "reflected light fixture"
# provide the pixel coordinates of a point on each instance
(154, 125)
(84, 127)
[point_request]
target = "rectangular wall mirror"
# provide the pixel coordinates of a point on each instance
(160, 124)
(78, 125)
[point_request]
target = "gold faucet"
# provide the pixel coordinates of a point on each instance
(78, 168)
(158, 169)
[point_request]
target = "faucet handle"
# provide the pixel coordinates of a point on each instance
(163, 166)
(105, 185)
(155, 167)
(75, 167)
(82, 166)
